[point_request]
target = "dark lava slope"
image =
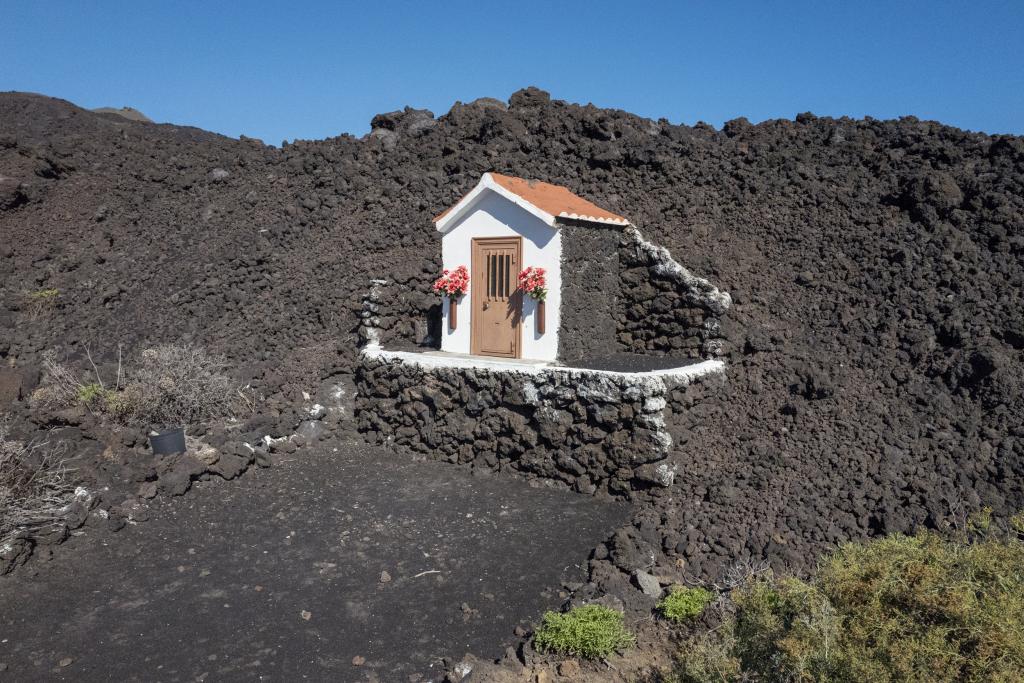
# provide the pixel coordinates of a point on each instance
(876, 269)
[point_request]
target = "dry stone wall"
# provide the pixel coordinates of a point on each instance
(399, 316)
(664, 309)
(590, 431)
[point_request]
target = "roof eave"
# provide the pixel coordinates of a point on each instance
(448, 220)
(622, 222)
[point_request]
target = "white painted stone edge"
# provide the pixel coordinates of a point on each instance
(685, 374)
(666, 266)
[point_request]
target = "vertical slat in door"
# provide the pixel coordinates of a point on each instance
(494, 276)
(508, 274)
(502, 273)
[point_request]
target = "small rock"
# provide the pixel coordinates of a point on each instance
(202, 451)
(66, 661)
(218, 175)
(659, 474)
(461, 671)
(629, 553)
(147, 490)
(358, 660)
(584, 486)
(263, 458)
(282, 445)
(317, 412)
(174, 483)
(570, 669)
(116, 522)
(306, 615)
(310, 430)
(76, 514)
(611, 602)
(230, 465)
(648, 583)
(385, 577)
(138, 514)
(519, 631)
(176, 473)
(71, 416)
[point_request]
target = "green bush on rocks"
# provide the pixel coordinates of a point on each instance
(590, 631)
(684, 603)
(900, 608)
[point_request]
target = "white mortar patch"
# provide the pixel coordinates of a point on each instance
(655, 404)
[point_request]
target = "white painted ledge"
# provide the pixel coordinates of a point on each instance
(433, 360)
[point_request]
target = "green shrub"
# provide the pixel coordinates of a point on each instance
(91, 395)
(684, 603)
(591, 631)
(123, 406)
(920, 608)
(1017, 523)
(119, 405)
(981, 521)
(710, 657)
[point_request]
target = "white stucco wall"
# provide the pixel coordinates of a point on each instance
(494, 216)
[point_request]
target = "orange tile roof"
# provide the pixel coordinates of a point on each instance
(445, 212)
(553, 199)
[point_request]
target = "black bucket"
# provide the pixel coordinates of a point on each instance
(168, 442)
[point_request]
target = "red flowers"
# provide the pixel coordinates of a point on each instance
(532, 282)
(453, 283)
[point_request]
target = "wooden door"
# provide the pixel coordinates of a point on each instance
(495, 313)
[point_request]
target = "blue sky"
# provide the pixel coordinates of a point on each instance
(286, 70)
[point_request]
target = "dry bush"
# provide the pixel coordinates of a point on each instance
(169, 385)
(176, 385)
(64, 388)
(34, 491)
(62, 385)
(41, 302)
(246, 402)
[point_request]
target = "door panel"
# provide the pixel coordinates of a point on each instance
(496, 312)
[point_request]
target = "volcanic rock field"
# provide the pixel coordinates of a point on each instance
(875, 355)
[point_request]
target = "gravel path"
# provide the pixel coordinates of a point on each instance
(356, 565)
